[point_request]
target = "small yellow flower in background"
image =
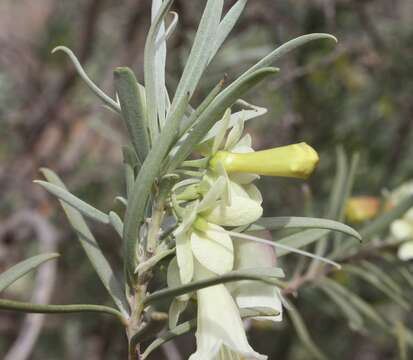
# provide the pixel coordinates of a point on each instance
(296, 161)
(362, 208)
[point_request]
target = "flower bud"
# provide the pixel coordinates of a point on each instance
(296, 161)
(362, 208)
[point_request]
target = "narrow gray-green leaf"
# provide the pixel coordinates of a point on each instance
(349, 186)
(378, 284)
(339, 184)
(133, 113)
(338, 243)
(275, 55)
(400, 333)
(353, 316)
(301, 239)
(407, 276)
(150, 69)
(116, 222)
(72, 200)
(169, 335)
(292, 222)
(199, 55)
(334, 200)
(92, 249)
(232, 276)
(17, 271)
(383, 276)
(131, 163)
(159, 65)
(364, 308)
(112, 104)
(303, 333)
(226, 26)
(20, 306)
(188, 121)
(214, 112)
(143, 184)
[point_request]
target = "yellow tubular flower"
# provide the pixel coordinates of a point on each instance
(296, 161)
(362, 208)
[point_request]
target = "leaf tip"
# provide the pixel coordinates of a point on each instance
(61, 48)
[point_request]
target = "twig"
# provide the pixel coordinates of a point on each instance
(45, 280)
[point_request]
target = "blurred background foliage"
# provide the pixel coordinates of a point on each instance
(357, 95)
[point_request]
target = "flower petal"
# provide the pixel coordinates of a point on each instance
(253, 294)
(184, 257)
(173, 278)
(219, 323)
(234, 135)
(213, 249)
(401, 229)
(406, 251)
(243, 209)
(254, 193)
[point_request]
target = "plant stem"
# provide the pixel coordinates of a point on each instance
(135, 321)
(157, 214)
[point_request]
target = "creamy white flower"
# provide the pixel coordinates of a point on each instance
(244, 207)
(402, 229)
(219, 325)
(254, 294)
(213, 249)
(405, 251)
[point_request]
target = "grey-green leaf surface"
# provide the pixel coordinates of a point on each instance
(59, 309)
(112, 104)
(215, 111)
(75, 202)
(348, 186)
(350, 178)
(143, 184)
(383, 276)
(160, 62)
(150, 64)
(133, 110)
(249, 274)
(334, 200)
(354, 318)
(293, 222)
(131, 163)
(200, 52)
(226, 26)
(300, 239)
(363, 307)
(17, 271)
(92, 249)
(377, 282)
(303, 332)
(188, 121)
(116, 222)
(275, 55)
(339, 184)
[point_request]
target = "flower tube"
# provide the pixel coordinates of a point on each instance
(296, 161)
